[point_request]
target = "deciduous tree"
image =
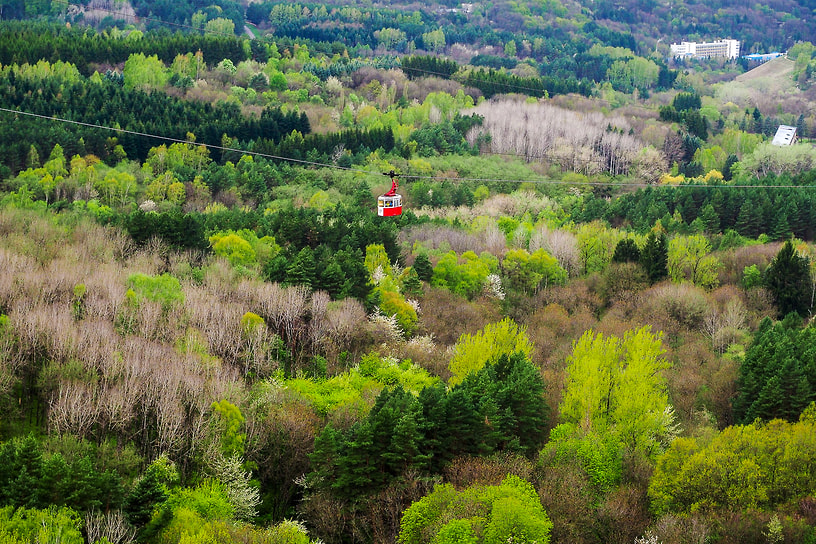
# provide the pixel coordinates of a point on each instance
(472, 352)
(617, 386)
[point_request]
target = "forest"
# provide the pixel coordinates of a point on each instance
(592, 322)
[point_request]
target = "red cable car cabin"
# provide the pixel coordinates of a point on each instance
(390, 203)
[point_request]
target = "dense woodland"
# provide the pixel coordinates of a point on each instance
(592, 322)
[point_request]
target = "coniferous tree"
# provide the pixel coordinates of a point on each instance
(411, 285)
(332, 278)
(654, 257)
(520, 395)
(302, 270)
(777, 377)
(145, 497)
(710, 219)
(780, 229)
(24, 488)
(788, 278)
(423, 267)
(626, 251)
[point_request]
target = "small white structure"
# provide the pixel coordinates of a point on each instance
(720, 48)
(785, 135)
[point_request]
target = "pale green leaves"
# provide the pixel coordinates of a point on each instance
(472, 352)
(509, 512)
(616, 386)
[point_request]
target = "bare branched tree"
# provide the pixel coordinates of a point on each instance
(73, 409)
(561, 244)
(113, 527)
(586, 143)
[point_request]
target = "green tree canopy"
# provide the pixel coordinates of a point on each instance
(761, 465)
(788, 278)
(654, 256)
(689, 259)
(777, 378)
(617, 386)
(508, 512)
(472, 352)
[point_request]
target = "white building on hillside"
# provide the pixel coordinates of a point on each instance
(721, 48)
(785, 135)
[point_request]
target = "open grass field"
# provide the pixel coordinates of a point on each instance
(776, 70)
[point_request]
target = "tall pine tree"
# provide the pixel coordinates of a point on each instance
(788, 278)
(654, 257)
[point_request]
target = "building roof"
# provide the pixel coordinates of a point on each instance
(785, 135)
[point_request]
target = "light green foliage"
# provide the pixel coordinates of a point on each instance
(164, 289)
(389, 371)
(43, 69)
(145, 73)
(802, 55)
(340, 392)
(49, 526)
(187, 65)
(447, 104)
(178, 158)
(434, 40)
(737, 142)
(617, 386)
(394, 304)
(233, 248)
(164, 471)
(507, 512)
(243, 247)
(208, 500)
(8, 538)
(176, 193)
(761, 465)
(230, 422)
(508, 226)
(288, 532)
(472, 352)
(348, 390)
(321, 200)
(191, 509)
(103, 214)
(774, 159)
(596, 245)
(711, 158)
(751, 277)
(464, 276)
(390, 38)
(116, 188)
(78, 303)
(277, 81)
(636, 73)
(250, 322)
(194, 344)
(55, 165)
(599, 50)
(457, 531)
(528, 273)
(377, 262)
(166, 187)
(689, 260)
(600, 455)
(220, 25)
(481, 193)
